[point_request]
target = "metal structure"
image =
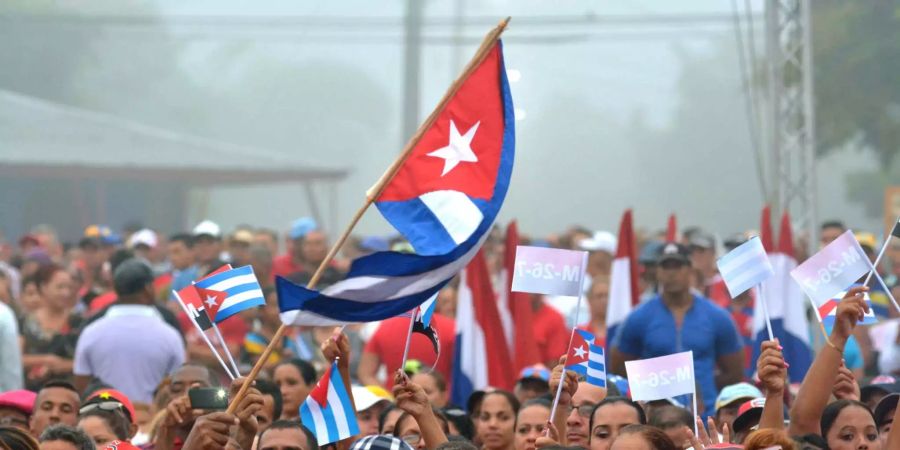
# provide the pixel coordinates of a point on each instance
(791, 121)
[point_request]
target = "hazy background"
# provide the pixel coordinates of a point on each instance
(648, 115)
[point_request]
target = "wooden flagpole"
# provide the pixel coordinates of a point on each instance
(373, 194)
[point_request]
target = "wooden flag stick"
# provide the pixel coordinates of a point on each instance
(372, 194)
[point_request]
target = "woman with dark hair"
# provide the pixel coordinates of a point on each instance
(421, 425)
(459, 422)
(849, 425)
(642, 437)
(608, 419)
(50, 332)
(530, 423)
(104, 426)
(496, 421)
(12, 438)
(295, 378)
(387, 420)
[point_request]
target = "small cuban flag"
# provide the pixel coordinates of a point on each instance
(828, 310)
(328, 411)
(587, 359)
(241, 288)
(745, 266)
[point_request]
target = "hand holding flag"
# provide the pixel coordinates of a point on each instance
(587, 359)
(328, 410)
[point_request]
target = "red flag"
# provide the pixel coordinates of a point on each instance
(195, 307)
(212, 301)
(627, 248)
(672, 229)
(524, 347)
(766, 235)
(500, 368)
(786, 236)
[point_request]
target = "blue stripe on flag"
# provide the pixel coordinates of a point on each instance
(580, 369)
(241, 288)
(234, 309)
(219, 277)
(349, 409)
(745, 266)
(419, 226)
(328, 416)
(307, 420)
(461, 386)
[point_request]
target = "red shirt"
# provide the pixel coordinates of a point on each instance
(284, 265)
(598, 340)
(388, 340)
(550, 333)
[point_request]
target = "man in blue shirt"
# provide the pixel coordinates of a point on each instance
(679, 320)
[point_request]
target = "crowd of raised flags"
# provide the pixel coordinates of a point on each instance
(443, 196)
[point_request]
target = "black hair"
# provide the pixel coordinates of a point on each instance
(456, 443)
(307, 371)
(510, 398)
(833, 224)
(65, 433)
(210, 373)
(834, 409)
(184, 238)
(382, 417)
(657, 439)
(539, 401)
(16, 438)
(534, 384)
(132, 276)
(461, 421)
(437, 413)
(292, 425)
(269, 388)
(660, 417)
(642, 417)
(118, 257)
(116, 420)
(58, 383)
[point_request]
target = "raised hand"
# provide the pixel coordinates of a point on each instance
(337, 346)
(846, 387)
(210, 432)
(850, 310)
(570, 386)
(771, 367)
(411, 397)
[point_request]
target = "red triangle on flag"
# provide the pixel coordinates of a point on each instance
(320, 392)
(579, 352)
(212, 301)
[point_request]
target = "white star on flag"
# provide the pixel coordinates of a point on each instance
(458, 150)
(580, 351)
(211, 301)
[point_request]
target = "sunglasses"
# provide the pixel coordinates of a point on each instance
(104, 406)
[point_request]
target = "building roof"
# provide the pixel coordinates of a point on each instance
(39, 138)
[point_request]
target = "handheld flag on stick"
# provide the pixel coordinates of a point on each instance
(832, 269)
(193, 307)
(744, 267)
(420, 322)
(515, 308)
(895, 232)
(587, 359)
(328, 411)
(662, 377)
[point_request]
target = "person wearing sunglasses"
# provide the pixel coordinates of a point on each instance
(106, 416)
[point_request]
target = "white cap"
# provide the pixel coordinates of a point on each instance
(208, 227)
(602, 241)
(143, 236)
(364, 398)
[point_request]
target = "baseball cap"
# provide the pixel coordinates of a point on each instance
(302, 226)
(19, 399)
(207, 228)
(364, 398)
(601, 241)
(735, 392)
(108, 399)
(749, 414)
(673, 252)
(884, 408)
(649, 252)
(537, 371)
(380, 392)
(866, 239)
(380, 442)
(882, 383)
(131, 277)
(102, 233)
(143, 236)
(242, 235)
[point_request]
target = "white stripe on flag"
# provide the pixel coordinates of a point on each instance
(456, 212)
(473, 355)
(619, 305)
(231, 282)
(321, 430)
(596, 373)
(242, 297)
(745, 266)
(337, 407)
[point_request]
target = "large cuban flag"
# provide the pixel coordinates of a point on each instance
(443, 199)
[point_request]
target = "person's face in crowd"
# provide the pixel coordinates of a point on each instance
(58, 445)
(529, 426)
(586, 397)
(12, 417)
(670, 423)
(390, 421)
(283, 439)
(524, 393)
(598, 298)
(729, 412)
(57, 292)
(608, 421)
(180, 255)
(703, 259)
(829, 234)
(599, 263)
(674, 277)
(437, 397)
(187, 377)
(409, 431)
(293, 389)
(314, 247)
(98, 430)
(266, 414)
(368, 419)
(207, 249)
(54, 405)
(446, 302)
(853, 429)
(240, 253)
(30, 297)
(495, 423)
(632, 441)
(92, 256)
(267, 241)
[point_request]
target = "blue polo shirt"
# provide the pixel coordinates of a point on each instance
(707, 330)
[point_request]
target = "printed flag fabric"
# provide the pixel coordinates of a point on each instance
(745, 266)
(195, 307)
(587, 359)
(833, 268)
(328, 411)
(241, 288)
(482, 356)
(444, 199)
(787, 306)
(515, 309)
(828, 310)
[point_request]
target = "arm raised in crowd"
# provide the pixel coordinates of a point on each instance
(772, 372)
(811, 401)
(565, 398)
(211, 432)
(337, 348)
(411, 398)
(246, 412)
(846, 388)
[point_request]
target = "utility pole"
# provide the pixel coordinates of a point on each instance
(791, 121)
(412, 66)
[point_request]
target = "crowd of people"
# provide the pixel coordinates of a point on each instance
(95, 352)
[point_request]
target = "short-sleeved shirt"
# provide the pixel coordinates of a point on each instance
(388, 342)
(130, 348)
(707, 330)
